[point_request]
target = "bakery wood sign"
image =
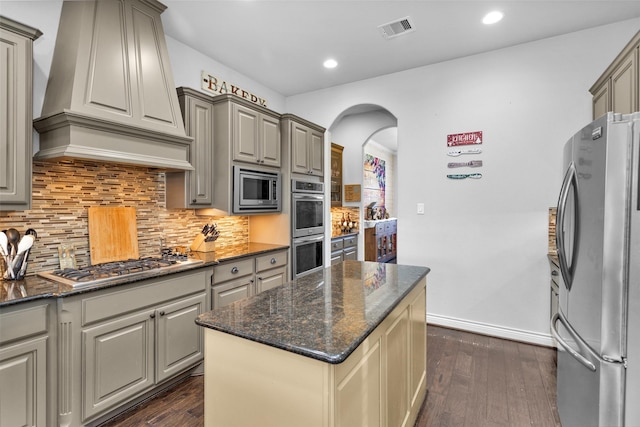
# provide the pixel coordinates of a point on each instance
(466, 138)
(216, 86)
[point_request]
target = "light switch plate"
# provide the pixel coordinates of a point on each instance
(420, 208)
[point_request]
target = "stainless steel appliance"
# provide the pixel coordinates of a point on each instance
(307, 209)
(113, 271)
(308, 255)
(256, 191)
(597, 326)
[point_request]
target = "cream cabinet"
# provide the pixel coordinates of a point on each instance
(618, 88)
(238, 279)
(306, 143)
(27, 372)
(16, 114)
(194, 189)
(382, 383)
(120, 343)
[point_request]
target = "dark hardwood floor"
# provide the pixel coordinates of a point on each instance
(472, 380)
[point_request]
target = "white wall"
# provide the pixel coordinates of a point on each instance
(485, 240)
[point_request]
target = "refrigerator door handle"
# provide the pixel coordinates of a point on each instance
(554, 331)
(569, 183)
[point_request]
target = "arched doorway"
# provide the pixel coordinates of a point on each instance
(361, 129)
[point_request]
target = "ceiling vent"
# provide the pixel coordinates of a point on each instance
(397, 28)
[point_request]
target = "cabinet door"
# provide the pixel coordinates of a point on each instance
(300, 136)
(119, 361)
(350, 253)
(229, 292)
(370, 250)
(316, 153)
(245, 134)
(601, 100)
(336, 258)
(358, 395)
(397, 370)
(15, 120)
(624, 92)
(270, 141)
(179, 341)
(270, 279)
(418, 345)
(23, 375)
(199, 125)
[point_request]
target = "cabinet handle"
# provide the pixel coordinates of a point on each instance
(273, 261)
(251, 281)
(234, 270)
(193, 201)
(554, 273)
(162, 313)
(152, 315)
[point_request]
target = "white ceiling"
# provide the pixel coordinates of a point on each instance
(281, 44)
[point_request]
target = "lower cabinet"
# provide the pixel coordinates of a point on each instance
(381, 241)
(26, 377)
(235, 280)
(120, 343)
(382, 383)
(344, 248)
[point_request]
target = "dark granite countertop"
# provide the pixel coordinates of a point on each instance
(35, 287)
(324, 315)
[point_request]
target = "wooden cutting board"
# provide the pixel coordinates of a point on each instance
(113, 234)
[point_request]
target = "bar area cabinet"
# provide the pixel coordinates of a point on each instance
(336, 175)
(381, 241)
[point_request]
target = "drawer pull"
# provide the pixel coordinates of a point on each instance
(234, 270)
(273, 261)
(152, 315)
(554, 273)
(162, 313)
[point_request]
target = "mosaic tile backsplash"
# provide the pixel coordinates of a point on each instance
(63, 190)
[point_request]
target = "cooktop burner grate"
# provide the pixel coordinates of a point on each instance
(105, 272)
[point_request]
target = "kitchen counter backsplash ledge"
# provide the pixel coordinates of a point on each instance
(35, 287)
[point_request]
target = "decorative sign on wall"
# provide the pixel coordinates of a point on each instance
(466, 138)
(216, 86)
(352, 193)
(374, 180)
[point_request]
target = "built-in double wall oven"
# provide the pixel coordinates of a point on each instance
(307, 207)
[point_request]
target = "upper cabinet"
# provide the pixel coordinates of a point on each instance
(194, 189)
(618, 89)
(307, 145)
(336, 175)
(16, 114)
(256, 136)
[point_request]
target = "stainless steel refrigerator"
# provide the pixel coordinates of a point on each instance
(597, 327)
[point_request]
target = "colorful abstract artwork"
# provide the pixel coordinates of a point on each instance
(374, 181)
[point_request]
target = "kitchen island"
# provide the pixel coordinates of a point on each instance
(345, 346)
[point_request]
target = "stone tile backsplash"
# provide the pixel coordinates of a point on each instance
(63, 190)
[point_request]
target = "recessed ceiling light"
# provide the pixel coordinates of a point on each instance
(330, 63)
(492, 17)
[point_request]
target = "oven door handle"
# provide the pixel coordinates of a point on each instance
(309, 239)
(306, 196)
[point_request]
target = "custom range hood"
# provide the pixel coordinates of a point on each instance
(111, 94)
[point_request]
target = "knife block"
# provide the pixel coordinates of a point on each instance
(199, 245)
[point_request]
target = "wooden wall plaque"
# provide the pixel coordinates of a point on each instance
(352, 192)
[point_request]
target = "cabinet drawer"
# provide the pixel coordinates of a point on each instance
(232, 270)
(22, 323)
(265, 262)
(380, 228)
(337, 244)
(350, 241)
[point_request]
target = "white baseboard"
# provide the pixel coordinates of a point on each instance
(492, 330)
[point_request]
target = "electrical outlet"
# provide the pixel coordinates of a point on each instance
(420, 208)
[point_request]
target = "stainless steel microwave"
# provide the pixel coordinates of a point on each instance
(256, 191)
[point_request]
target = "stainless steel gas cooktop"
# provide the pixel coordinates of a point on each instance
(117, 270)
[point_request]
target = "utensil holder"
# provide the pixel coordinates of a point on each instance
(12, 267)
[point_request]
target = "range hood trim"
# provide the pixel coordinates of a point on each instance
(59, 127)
